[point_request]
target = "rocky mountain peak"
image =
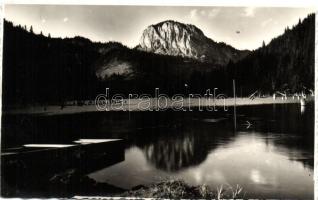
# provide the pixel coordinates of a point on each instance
(178, 39)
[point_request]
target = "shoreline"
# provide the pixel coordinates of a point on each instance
(153, 105)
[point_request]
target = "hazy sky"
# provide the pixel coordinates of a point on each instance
(126, 23)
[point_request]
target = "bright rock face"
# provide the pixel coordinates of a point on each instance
(177, 39)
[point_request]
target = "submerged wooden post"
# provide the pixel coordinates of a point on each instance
(234, 108)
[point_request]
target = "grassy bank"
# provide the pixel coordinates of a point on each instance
(178, 189)
(174, 189)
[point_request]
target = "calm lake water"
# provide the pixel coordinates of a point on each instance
(270, 154)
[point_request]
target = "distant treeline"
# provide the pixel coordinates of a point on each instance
(41, 69)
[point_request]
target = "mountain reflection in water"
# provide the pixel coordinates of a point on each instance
(175, 152)
(265, 159)
(273, 158)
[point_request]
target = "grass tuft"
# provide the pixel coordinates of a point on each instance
(178, 189)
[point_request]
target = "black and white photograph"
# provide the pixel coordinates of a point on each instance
(157, 101)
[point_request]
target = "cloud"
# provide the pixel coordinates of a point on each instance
(202, 12)
(43, 20)
(193, 13)
(65, 19)
(211, 13)
(214, 12)
(249, 12)
(266, 22)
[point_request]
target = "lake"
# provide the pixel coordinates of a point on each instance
(268, 150)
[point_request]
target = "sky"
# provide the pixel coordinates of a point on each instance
(241, 27)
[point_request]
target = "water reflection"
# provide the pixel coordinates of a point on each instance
(175, 152)
(262, 168)
(302, 109)
(265, 159)
(257, 166)
(198, 147)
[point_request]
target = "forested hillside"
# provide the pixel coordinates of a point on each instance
(286, 63)
(41, 69)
